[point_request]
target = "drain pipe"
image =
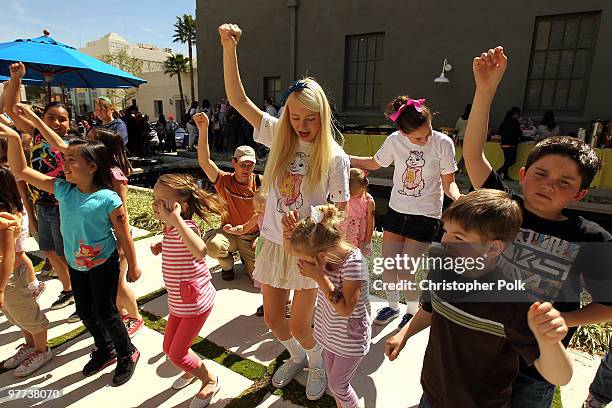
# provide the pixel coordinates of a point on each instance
(293, 5)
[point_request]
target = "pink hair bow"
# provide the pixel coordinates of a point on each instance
(417, 103)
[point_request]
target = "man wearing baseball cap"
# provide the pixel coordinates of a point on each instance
(237, 189)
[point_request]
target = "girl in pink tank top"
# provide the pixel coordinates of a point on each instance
(359, 225)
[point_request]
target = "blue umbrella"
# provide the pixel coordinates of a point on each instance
(60, 64)
(23, 80)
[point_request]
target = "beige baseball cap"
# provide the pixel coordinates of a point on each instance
(243, 153)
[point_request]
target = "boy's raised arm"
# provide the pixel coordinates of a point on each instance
(488, 70)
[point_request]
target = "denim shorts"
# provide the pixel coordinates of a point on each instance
(49, 234)
(416, 227)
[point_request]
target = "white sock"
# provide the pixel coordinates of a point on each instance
(295, 349)
(412, 307)
(315, 356)
(393, 298)
(33, 285)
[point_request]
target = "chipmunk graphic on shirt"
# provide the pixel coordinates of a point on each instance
(412, 179)
(289, 187)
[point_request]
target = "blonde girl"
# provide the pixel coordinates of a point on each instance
(342, 316)
(304, 168)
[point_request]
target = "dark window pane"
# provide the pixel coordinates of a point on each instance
(362, 72)
(377, 94)
(533, 94)
(556, 34)
(587, 32)
(378, 71)
(565, 67)
(362, 49)
(552, 62)
(548, 88)
(580, 63)
(371, 48)
(277, 85)
(562, 92)
(542, 35)
(571, 33)
(575, 94)
(370, 71)
(368, 94)
(380, 47)
(352, 73)
(537, 65)
(360, 93)
(354, 43)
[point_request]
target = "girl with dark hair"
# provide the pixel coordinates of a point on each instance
(424, 171)
(510, 132)
(16, 301)
(93, 219)
(548, 127)
(48, 161)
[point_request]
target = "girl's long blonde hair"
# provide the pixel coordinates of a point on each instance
(285, 142)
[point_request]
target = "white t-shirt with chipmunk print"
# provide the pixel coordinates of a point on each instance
(289, 194)
(417, 186)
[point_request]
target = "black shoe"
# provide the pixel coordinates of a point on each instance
(260, 311)
(100, 359)
(65, 298)
(125, 367)
(228, 275)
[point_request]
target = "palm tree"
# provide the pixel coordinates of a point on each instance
(185, 32)
(175, 65)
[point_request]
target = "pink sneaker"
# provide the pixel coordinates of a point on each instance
(133, 326)
(39, 290)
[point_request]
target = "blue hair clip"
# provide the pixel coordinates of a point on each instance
(298, 85)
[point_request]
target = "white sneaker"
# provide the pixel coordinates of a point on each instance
(34, 362)
(182, 382)
(316, 384)
(203, 403)
(287, 372)
(23, 352)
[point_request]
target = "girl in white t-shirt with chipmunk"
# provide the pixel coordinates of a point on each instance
(425, 167)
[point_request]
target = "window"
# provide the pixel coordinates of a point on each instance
(561, 58)
(272, 88)
(158, 107)
(363, 71)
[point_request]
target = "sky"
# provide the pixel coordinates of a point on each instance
(77, 22)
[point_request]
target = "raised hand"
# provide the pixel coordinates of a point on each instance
(489, 69)
(546, 323)
(230, 34)
(201, 120)
(17, 70)
(23, 110)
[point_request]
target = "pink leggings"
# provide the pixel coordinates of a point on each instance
(340, 370)
(178, 337)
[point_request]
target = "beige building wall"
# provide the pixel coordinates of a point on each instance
(162, 91)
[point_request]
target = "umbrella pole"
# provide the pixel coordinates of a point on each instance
(48, 92)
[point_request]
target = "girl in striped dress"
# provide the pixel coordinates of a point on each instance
(191, 294)
(342, 316)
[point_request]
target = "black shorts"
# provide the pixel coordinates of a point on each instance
(416, 227)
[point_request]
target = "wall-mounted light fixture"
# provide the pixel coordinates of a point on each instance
(446, 67)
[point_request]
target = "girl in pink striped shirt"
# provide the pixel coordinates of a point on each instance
(191, 294)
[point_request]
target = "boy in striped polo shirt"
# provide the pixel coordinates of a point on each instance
(477, 338)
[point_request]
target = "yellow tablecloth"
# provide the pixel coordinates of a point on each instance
(360, 144)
